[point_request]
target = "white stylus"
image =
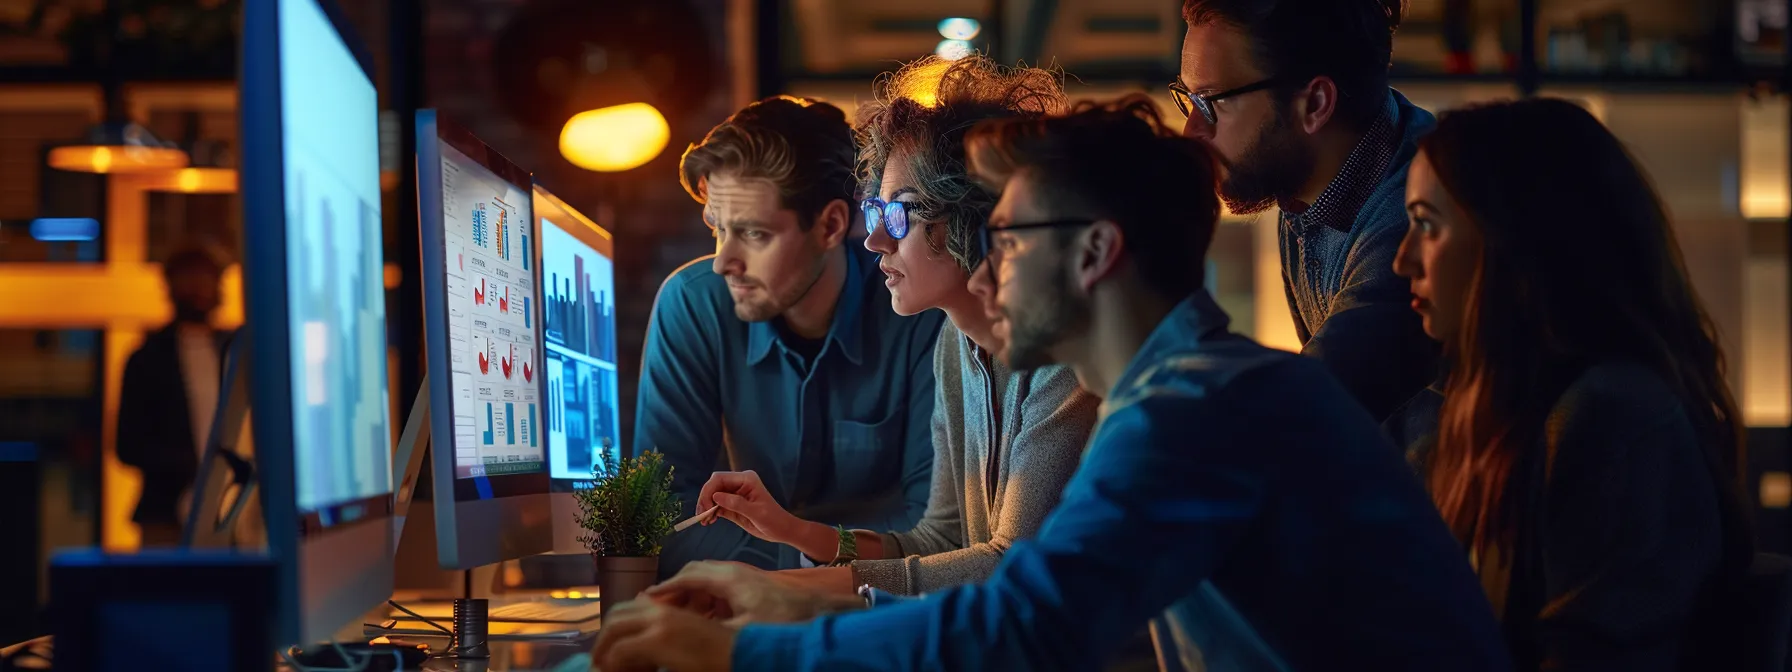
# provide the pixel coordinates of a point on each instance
(693, 520)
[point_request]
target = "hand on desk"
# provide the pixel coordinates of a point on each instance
(645, 636)
(740, 593)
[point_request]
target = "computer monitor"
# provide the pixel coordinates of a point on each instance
(482, 332)
(314, 298)
(578, 281)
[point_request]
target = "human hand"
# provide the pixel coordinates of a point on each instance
(646, 636)
(744, 500)
(741, 593)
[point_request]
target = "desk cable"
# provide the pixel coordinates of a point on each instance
(452, 650)
(361, 665)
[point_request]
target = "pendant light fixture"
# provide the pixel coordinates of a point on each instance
(117, 145)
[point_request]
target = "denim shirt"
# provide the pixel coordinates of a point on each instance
(841, 440)
(1350, 310)
(1234, 497)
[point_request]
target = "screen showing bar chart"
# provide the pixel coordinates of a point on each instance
(493, 359)
(583, 409)
(341, 422)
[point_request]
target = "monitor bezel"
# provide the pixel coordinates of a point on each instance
(511, 509)
(321, 588)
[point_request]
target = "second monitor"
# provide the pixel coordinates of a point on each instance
(578, 280)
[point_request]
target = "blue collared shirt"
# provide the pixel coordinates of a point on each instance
(1234, 497)
(841, 440)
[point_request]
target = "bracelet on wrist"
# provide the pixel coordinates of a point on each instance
(848, 550)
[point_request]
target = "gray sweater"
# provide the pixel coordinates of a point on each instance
(1004, 445)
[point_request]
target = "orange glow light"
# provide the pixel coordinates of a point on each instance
(194, 181)
(614, 139)
(116, 159)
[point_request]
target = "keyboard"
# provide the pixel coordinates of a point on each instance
(534, 611)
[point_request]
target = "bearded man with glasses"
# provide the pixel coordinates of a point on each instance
(1293, 96)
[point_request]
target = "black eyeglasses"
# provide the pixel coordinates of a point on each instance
(893, 216)
(1188, 101)
(986, 235)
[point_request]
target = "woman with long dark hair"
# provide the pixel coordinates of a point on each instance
(1588, 451)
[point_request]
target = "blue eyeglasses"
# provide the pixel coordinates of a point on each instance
(893, 216)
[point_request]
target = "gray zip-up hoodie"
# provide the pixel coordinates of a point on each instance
(1004, 445)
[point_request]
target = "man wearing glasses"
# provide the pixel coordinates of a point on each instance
(778, 355)
(1293, 95)
(1231, 495)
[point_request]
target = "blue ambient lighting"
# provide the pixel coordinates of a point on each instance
(65, 229)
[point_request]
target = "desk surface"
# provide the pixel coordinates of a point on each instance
(519, 656)
(507, 656)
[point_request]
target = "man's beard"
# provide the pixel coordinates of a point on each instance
(762, 310)
(1275, 166)
(1034, 330)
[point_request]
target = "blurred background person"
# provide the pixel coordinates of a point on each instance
(170, 393)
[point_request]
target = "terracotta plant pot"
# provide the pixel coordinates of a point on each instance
(621, 579)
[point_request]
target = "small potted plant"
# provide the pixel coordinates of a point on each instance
(628, 510)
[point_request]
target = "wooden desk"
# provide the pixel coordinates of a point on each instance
(507, 656)
(519, 656)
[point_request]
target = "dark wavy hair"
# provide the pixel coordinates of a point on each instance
(922, 112)
(803, 146)
(1116, 161)
(1578, 265)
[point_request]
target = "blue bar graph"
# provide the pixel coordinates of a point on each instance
(526, 250)
(488, 423)
(529, 427)
(580, 313)
(510, 423)
(526, 318)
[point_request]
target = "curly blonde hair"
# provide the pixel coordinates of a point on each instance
(921, 113)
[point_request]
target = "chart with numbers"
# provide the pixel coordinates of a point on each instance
(492, 321)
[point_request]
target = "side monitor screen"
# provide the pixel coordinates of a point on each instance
(489, 223)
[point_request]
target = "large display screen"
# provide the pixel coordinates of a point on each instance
(335, 275)
(580, 285)
(487, 226)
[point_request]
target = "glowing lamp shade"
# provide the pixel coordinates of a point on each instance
(614, 139)
(118, 147)
(959, 28)
(116, 159)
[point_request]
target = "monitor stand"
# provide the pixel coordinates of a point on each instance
(226, 481)
(418, 576)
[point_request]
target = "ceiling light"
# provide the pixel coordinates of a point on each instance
(118, 147)
(959, 28)
(614, 139)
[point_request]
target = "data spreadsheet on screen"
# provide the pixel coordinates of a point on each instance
(487, 224)
(335, 275)
(581, 359)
